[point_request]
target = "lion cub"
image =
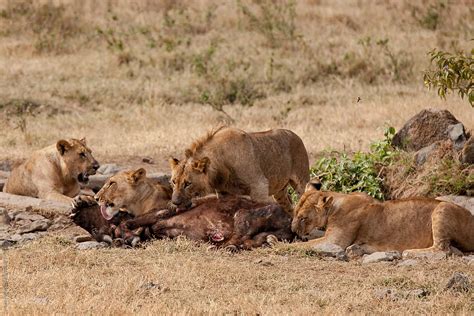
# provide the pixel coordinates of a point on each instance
(414, 226)
(54, 172)
(132, 192)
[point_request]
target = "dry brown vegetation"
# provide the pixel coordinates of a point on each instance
(142, 78)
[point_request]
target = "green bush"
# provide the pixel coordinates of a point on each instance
(358, 172)
(452, 72)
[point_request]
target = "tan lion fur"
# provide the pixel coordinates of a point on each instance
(414, 225)
(229, 160)
(53, 172)
(133, 192)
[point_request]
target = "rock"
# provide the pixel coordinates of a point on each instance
(467, 153)
(417, 293)
(422, 155)
(29, 236)
(148, 160)
(381, 256)
(459, 282)
(28, 216)
(408, 263)
(40, 225)
(60, 222)
(4, 244)
(108, 169)
(11, 201)
(385, 293)
(83, 238)
(464, 201)
(150, 286)
(4, 217)
(330, 250)
(91, 245)
(15, 238)
(428, 255)
(457, 135)
(355, 251)
(427, 127)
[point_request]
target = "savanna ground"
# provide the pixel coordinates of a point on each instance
(143, 79)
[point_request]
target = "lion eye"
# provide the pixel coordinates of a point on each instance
(187, 184)
(82, 155)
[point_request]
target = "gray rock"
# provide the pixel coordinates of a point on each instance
(427, 127)
(4, 244)
(457, 134)
(385, 293)
(330, 250)
(430, 256)
(29, 237)
(422, 155)
(417, 293)
(4, 217)
(91, 245)
(381, 256)
(39, 225)
(467, 153)
(355, 251)
(108, 169)
(28, 216)
(148, 160)
(15, 238)
(469, 259)
(464, 201)
(408, 263)
(458, 282)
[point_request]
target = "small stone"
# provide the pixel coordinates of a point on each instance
(91, 245)
(4, 217)
(4, 244)
(408, 263)
(381, 256)
(150, 286)
(263, 263)
(385, 293)
(428, 255)
(108, 169)
(459, 282)
(83, 238)
(457, 134)
(418, 293)
(354, 251)
(330, 250)
(39, 225)
(148, 160)
(28, 216)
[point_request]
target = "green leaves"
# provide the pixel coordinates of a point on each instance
(359, 172)
(453, 72)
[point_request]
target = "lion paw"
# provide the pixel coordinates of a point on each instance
(82, 201)
(231, 248)
(272, 240)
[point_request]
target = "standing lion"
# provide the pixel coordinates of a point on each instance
(229, 160)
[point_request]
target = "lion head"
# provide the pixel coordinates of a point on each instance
(77, 158)
(189, 179)
(120, 192)
(312, 212)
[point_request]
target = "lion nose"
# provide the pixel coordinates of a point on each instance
(176, 200)
(96, 166)
(96, 198)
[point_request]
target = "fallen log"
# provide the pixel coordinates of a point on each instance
(97, 181)
(47, 208)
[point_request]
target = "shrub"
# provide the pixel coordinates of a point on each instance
(452, 72)
(358, 172)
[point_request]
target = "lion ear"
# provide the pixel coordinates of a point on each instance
(201, 165)
(62, 146)
(313, 185)
(327, 200)
(137, 175)
(173, 162)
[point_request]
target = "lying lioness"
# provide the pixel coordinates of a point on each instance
(232, 221)
(54, 172)
(415, 225)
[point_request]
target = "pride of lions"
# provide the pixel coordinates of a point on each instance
(223, 191)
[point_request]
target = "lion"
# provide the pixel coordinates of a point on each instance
(133, 192)
(231, 161)
(414, 226)
(54, 172)
(225, 221)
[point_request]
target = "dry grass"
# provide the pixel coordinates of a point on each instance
(144, 78)
(166, 277)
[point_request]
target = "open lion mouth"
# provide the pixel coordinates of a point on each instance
(83, 177)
